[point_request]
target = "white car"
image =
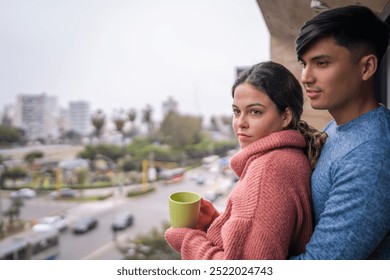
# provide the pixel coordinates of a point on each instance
(63, 193)
(23, 193)
(58, 222)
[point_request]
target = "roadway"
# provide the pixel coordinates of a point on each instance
(150, 211)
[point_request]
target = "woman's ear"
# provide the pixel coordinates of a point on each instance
(287, 117)
(369, 66)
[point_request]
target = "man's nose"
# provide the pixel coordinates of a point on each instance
(307, 76)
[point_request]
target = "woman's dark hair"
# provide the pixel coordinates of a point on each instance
(353, 27)
(285, 91)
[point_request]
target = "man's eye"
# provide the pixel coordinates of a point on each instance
(322, 63)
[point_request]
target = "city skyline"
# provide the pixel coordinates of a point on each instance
(128, 54)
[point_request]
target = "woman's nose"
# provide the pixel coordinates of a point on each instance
(242, 121)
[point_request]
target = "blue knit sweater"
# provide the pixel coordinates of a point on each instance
(351, 191)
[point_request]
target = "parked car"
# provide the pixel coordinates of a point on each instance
(84, 224)
(23, 193)
(122, 221)
(200, 179)
(58, 222)
(64, 192)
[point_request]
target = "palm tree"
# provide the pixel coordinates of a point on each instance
(120, 119)
(132, 116)
(98, 119)
(147, 118)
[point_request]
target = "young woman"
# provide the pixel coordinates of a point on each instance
(268, 214)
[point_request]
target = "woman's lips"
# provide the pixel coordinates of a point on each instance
(242, 137)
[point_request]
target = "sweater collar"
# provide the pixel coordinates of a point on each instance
(276, 140)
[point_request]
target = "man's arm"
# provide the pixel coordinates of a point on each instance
(356, 216)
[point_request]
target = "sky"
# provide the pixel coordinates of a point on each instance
(122, 54)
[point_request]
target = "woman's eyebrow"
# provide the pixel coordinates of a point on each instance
(255, 104)
(250, 105)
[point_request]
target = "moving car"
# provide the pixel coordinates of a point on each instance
(23, 193)
(122, 221)
(58, 222)
(84, 224)
(63, 193)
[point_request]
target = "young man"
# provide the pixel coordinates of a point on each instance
(340, 51)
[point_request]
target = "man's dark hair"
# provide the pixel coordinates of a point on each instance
(352, 27)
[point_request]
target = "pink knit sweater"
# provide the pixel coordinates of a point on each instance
(268, 214)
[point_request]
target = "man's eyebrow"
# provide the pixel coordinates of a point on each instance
(319, 56)
(313, 58)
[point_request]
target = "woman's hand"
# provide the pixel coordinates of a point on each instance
(207, 214)
(175, 236)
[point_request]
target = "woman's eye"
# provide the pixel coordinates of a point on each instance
(256, 112)
(236, 111)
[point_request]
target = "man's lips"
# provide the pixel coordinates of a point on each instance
(313, 93)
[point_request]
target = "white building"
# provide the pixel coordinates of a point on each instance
(37, 115)
(79, 117)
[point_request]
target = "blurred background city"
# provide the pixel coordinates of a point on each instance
(107, 107)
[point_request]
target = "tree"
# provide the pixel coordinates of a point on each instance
(14, 173)
(81, 175)
(114, 152)
(32, 156)
(10, 135)
(147, 118)
(72, 136)
(149, 246)
(181, 130)
(120, 119)
(132, 116)
(13, 212)
(29, 158)
(98, 120)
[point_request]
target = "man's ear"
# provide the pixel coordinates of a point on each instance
(369, 65)
(287, 117)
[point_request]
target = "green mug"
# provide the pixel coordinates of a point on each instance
(184, 209)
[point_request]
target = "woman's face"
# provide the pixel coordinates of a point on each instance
(255, 115)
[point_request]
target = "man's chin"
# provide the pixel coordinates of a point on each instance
(318, 106)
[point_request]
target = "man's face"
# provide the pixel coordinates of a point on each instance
(331, 76)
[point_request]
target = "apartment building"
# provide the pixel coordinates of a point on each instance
(37, 115)
(79, 117)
